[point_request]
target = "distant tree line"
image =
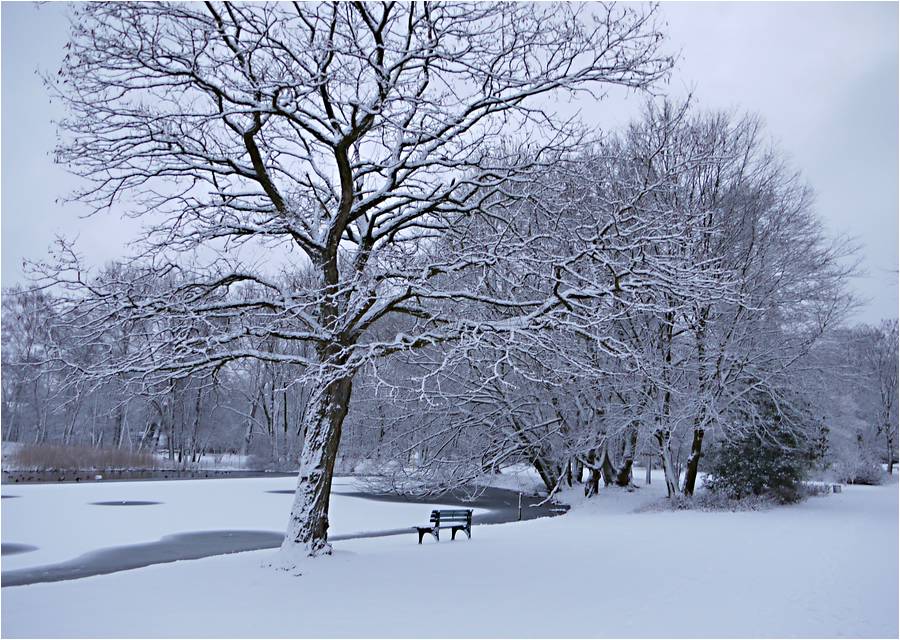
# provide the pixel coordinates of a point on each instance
(725, 304)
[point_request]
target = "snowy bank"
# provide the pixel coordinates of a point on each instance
(824, 568)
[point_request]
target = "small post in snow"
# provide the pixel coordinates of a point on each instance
(649, 465)
(520, 505)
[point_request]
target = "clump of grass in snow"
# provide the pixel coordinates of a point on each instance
(57, 458)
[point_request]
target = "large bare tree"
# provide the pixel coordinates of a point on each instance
(337, 140)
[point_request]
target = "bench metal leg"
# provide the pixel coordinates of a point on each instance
(422, 531)
(463, 529)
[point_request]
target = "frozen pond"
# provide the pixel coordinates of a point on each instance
(155, 522)
(65, 521)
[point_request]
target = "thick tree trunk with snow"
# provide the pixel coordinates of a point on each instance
(307, 531)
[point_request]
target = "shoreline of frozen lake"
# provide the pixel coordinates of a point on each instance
(824, 568)
(227, 516)
(187, 506)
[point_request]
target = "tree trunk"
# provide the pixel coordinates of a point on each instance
(12, 422)
(150, 435)
(92, 433)
(307, 531)
(577, 470)
(592, 486)
(41, 414)
(890, 449)
(170, 432)
(248, 434)
(665, 456)
(690, 475)
(607, 470)
(547, 471)
(546, 468)
(284, 416)
(623, 477)
(72, 419)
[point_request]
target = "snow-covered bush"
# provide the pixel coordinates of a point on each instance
(859, 472)
(706, 500)
(811, 489)
(711, 501)
(768, 458)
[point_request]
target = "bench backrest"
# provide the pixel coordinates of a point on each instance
(442, 516)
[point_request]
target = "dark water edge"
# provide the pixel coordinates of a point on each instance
(12, 548)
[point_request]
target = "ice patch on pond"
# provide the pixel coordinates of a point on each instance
(181, 546)
(12, 548)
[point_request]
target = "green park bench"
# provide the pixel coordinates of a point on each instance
(455, 519)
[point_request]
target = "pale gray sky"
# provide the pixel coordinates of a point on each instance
(824, 77)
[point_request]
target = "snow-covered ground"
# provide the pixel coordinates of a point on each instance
(824, 568)
(61, 522)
